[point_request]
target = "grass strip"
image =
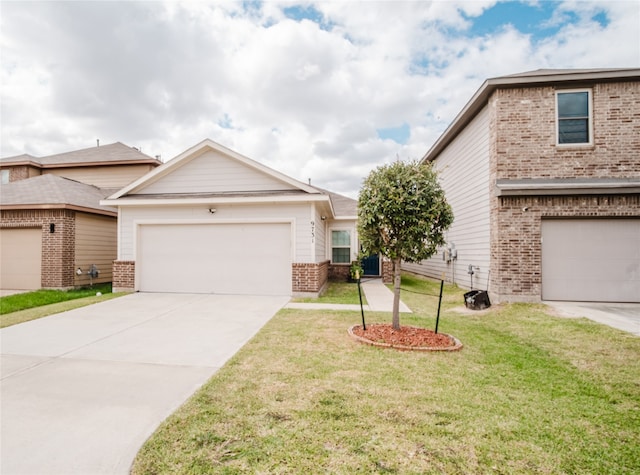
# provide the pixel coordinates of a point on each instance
(38, 298)
(22, 316)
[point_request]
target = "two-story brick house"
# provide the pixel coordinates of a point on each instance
(52, 226)
(542, 170)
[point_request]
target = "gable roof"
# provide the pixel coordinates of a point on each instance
(539, 77)
(197, 150)
(111, 154)
(52, 192)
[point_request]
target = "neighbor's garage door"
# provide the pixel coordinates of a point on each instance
(21, 258)
(215, 258)
(594, 260)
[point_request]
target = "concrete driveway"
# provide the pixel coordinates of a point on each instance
(623, 316)
(81, 391)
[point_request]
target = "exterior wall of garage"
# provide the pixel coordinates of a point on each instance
(523, 146)
(517, 247)
(58, 247)
(130, 217)
(309, 264)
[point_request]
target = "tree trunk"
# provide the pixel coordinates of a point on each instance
(396, 294)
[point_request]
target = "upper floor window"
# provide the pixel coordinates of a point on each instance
(4, 176)
(340, 247)
(574, 121)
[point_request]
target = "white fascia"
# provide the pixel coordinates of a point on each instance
(213, 200)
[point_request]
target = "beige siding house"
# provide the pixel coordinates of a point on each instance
(542, 170)
(53, 230)
(464, 167)
(214, 221)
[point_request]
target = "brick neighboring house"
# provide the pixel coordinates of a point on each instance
(542, 170)
(51, 220)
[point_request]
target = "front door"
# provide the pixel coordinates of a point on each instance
(371, 265)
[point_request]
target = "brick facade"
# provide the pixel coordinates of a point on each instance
(58, 248)
(22, 172)
(523, 146)
(124, 276)
(339, 272)
(309, 278)
(523, 134)
(306, 278)
(387, 271)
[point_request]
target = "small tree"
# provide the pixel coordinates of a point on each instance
(402, 215)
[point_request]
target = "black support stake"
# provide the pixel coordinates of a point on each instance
(364, 326)
(439, 304)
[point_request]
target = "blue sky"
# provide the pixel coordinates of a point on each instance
(540, 19)
(320, 90)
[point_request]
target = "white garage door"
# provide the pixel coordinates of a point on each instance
(595, 260)
(21, 258)
(215, 258)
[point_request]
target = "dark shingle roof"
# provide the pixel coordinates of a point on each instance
(342, 205)
(53, 191)
(104, 154)
(25, 157)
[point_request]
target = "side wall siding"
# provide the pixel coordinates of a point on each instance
(213, 172)
(114, 176)
(463, 169)
(96, 243)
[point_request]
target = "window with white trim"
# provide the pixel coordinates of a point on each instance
(4, 176)
(340, 247)
(574, 118)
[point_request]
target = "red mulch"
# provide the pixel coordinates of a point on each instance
(406, 336)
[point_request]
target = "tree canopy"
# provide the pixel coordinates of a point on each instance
(402, 215)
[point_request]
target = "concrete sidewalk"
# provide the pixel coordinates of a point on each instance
(379, 299)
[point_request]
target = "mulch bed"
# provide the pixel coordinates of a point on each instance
(407, 338)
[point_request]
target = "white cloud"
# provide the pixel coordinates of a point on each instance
(301, 97)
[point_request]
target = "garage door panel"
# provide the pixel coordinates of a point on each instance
(215, 258)
(21, 258)
(591, 260)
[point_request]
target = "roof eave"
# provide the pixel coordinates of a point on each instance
(130, 201)
(22, 163)
(84, 209)
(105, 163)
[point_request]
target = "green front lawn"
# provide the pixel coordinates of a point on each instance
(529, 393)
(337, 292)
